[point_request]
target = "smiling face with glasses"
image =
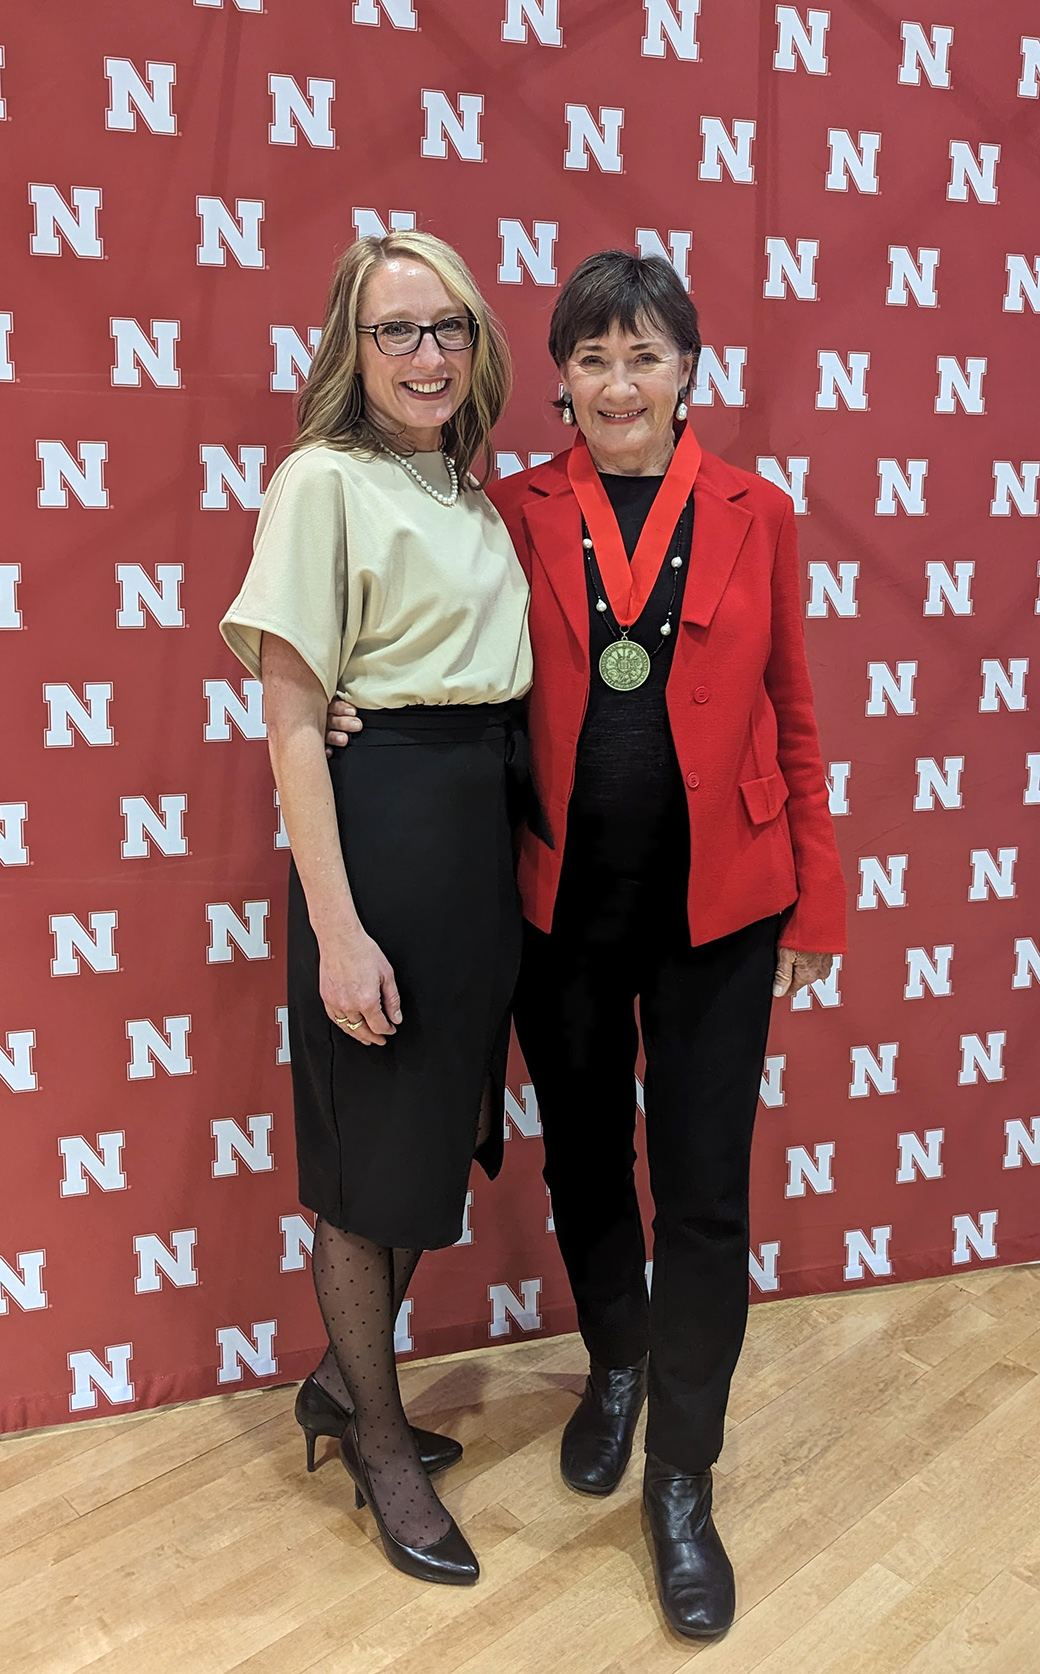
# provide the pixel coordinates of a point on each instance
(415, 352)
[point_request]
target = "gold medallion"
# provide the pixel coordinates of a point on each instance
(624, 665)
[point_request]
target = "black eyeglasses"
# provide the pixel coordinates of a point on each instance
(403, 337)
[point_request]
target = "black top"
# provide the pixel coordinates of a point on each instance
(627, 824)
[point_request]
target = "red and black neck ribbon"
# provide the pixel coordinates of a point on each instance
(628, 586)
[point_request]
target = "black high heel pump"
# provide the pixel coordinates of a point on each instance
(319, 1414)
(450, 1559)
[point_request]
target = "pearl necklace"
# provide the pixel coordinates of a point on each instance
(435, 493)
(603, 607)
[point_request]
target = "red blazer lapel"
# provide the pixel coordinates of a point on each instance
(720, 524)
(553, 522)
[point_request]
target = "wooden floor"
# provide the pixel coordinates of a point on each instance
(879, 1493)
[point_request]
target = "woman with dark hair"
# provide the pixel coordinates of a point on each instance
(689, 864)
(694, 868)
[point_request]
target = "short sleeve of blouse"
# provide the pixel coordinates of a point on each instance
(295, 586)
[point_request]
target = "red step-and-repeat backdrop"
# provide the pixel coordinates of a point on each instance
(851, 196)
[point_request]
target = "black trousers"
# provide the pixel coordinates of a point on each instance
(704, 1013)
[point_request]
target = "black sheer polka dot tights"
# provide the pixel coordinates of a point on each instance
(328, 1373)
(360, 1288)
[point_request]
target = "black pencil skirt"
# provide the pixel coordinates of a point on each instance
(386, 1135)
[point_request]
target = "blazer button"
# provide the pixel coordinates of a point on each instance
(701, 695)
(693, 780)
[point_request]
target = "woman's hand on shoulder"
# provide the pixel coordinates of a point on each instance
(341, 720)
(796, 970)
(358, 987)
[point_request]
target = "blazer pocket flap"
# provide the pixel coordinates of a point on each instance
(764, 798)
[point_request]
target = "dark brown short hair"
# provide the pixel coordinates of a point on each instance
(614, 287)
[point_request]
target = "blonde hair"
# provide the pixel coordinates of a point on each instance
(331, 408)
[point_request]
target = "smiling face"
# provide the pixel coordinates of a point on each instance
(625, 386)
(411, 396)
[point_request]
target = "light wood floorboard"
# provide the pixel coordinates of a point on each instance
(879, 1494)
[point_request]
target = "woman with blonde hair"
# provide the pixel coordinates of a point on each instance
(382, 573)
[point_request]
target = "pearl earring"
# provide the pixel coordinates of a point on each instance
(681, 410)
(567, 411)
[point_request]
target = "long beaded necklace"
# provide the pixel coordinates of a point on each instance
(625, 664)
(435, 493)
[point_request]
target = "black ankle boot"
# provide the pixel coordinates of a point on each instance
(319, 1414)
(694, 1575)
(597, 1442)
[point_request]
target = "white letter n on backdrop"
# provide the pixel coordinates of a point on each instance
(23, 1282)
(82, 472)
(239, 1349)
(852, 160)
(368, 223)
(444, 123)
(543, 17)
(845, 378)
(222, 231)
(16, 1070)
(808, 40)
(221, 473)
(791, 480)
(796, 268)
(56, 220)
(150, 1046)
(677, 251)
(1018, 485)
(907, 275)
(948, 590)
(905, 486)
(145, 826)
(675, 23)
(1023, 285)
(132, 95)
(930, 53)
(248, 933)
(586, 137)
(535, 252)
(175, 1261)
(1029, 82)
(14, 850)
(978, 172)
(309, 112)
(292, 356)
(109, 1377)
(104, 1166)
(726, 377)
(151, 352)
(523, 1308)
(400, 12)
(88, 715)
(723, 149)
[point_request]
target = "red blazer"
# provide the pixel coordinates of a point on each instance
(739, 703)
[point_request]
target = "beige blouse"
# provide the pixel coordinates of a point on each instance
(390, 597)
